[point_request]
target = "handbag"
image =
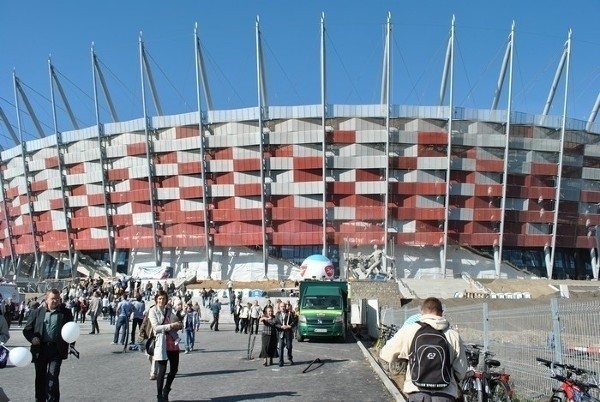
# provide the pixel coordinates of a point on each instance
(150, 343)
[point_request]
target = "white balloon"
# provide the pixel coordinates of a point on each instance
(19, 356)
(70, 332)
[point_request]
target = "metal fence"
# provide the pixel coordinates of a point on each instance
(565, 331)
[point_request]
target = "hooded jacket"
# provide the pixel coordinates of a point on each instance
(399, 347)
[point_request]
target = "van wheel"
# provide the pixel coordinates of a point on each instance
(299, 337)
(343, 338)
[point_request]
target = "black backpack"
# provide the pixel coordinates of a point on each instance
(429, 359)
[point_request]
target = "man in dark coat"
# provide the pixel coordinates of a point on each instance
(48, 348)
(285, 322)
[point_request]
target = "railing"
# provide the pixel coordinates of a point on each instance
(562, 330)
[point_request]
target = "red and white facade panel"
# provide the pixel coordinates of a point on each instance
(168, 188)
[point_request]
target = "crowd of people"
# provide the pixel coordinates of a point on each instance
(173, 319)
(13, 311)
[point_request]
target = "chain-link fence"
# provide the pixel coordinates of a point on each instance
(564, 331)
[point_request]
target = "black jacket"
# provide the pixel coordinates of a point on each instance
(292, 320)
(35, 328)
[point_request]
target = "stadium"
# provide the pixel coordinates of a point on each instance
(249, 193)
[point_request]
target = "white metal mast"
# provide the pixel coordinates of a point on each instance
(386, 102)
(561, 153)
(448, 152)
(262, 111)
(61, 167)
(510, 52)
(110, 229)
(149, 162)
(17, 89)
(324, 128)
(201, 76)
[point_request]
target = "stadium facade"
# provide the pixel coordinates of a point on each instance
(286, 182)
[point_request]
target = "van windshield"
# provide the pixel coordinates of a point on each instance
(322, 302)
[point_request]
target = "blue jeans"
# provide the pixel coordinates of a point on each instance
(136, 322)
(121, 323)
(190, 338)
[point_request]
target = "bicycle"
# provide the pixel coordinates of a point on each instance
(484, 385)
(396, 366)
(571, 389)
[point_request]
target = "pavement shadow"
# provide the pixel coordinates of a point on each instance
(323, 361)
(259, 396)
(218, 372)
(3, 396)
(330, 341)
(224, 350)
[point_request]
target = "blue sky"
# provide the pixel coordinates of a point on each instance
(31, 31)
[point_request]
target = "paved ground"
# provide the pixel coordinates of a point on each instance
(218, 371)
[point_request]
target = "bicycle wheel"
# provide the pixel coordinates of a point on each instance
(469, 390)
(499, 391)
(558, 396)
(397, 367)
(378, 344)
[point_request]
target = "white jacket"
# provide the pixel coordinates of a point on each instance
(399, 347)
(156, 317)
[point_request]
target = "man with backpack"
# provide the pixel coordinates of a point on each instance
(435, 353)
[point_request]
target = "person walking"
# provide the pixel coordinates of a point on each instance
(401, 347)
(255, 314)
(138, 307)
(48, 348)
(237, 309)
(268, 348)
(165, 326)
(123, 311)
(22, 311)
(148, 290)
(204, 296)
(9, 312)
(84, 307)
(4, 330)
(245, 318)
(105, 306)
(191, 324)
(285, 323)
(95, 310)
(112, 310)
(215, 308)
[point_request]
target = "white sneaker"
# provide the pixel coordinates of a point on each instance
(186, 352)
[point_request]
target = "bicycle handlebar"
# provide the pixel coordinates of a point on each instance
(584, 386)
(569, 367)
(478, 348)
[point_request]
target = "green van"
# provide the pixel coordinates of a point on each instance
(323, 310)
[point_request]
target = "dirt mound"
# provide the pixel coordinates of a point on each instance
(222, 284)
(536, 288)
